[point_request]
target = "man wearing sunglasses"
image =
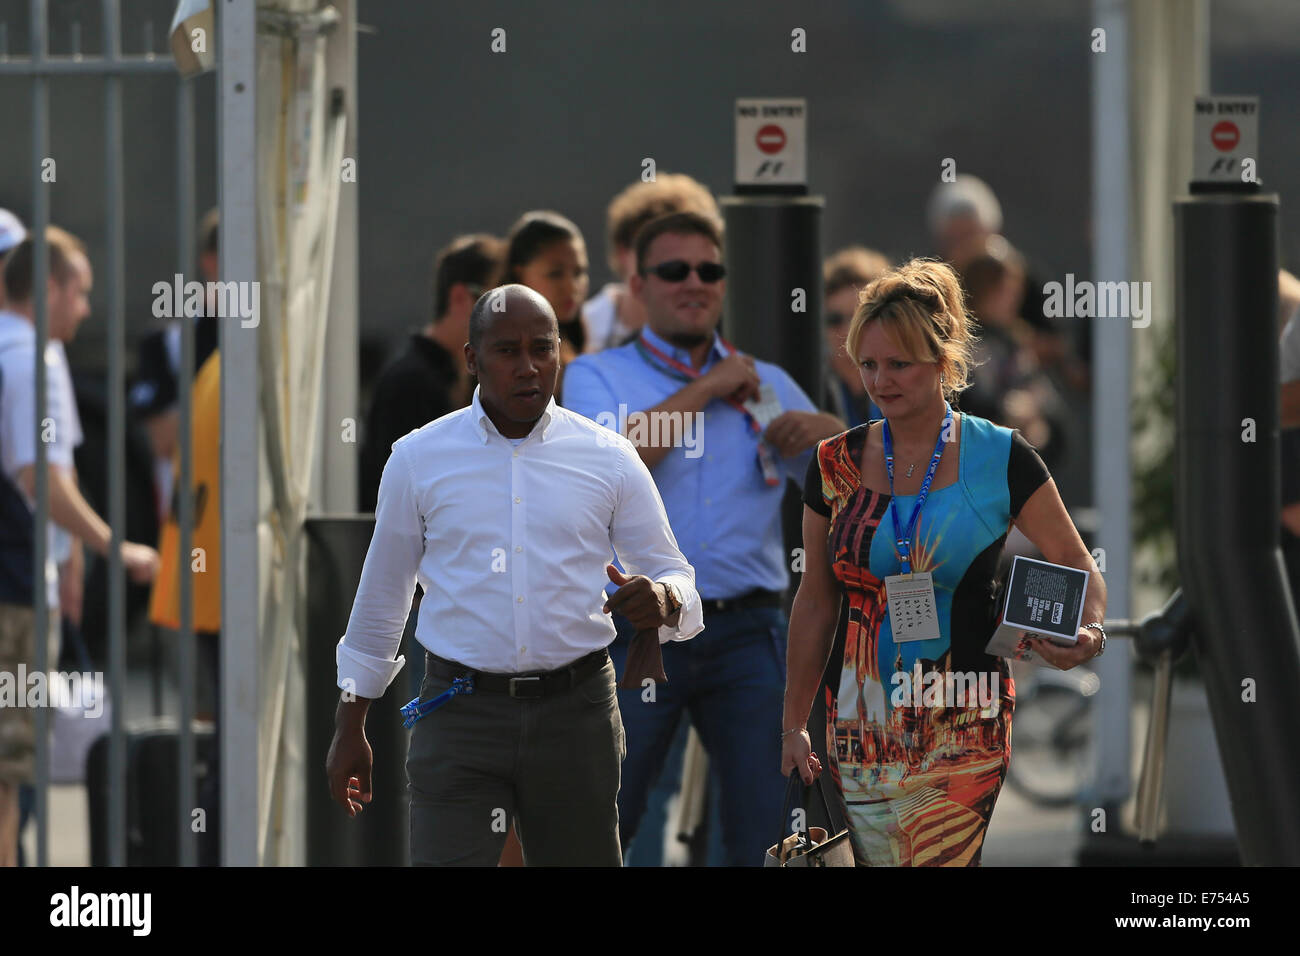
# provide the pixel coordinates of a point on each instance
(723, 498)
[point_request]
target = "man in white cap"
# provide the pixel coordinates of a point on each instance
(12, 232)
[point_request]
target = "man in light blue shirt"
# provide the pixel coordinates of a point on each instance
(721, 434)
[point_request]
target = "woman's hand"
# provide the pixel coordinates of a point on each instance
(1084, 650)
(796, 751)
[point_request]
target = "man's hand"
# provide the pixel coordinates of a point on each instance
(793, 432)
(350, 760)
(734, 377)
(140, 561)
(638, 599)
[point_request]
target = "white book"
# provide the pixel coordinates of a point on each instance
(1043, 600)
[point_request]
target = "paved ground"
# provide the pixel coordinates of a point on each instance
(1021, 833)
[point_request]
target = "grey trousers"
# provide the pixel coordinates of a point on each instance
(551, 765)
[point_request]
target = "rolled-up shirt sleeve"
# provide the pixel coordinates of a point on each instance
(644, 543)
(365, 654)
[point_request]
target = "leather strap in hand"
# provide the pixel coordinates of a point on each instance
(644, 659)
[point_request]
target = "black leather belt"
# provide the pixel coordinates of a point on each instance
(528, 686)
(757, 598)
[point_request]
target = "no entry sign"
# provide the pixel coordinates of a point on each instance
(1226, 131)
(771, 138)
(771, 145)
(1225, 135)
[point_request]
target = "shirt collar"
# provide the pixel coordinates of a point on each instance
(19, 327)
(485, 428)
(717, 351)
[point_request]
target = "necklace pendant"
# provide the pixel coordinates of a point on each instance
(910, 469)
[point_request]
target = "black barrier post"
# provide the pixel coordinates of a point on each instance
(774, 286)
(773, 245)
(773, 307)
(1227, 503)
(379, 835)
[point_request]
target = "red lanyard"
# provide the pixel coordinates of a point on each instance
(767, 463)
(690, 374)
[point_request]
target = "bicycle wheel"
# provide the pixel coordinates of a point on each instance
(1051, 745)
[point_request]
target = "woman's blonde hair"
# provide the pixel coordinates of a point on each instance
(921, 304)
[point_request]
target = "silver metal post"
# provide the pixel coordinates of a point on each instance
(1111, 429)
(1150, 790)
(185, 480)
(240, 585)
(115, 268)
(40, 318)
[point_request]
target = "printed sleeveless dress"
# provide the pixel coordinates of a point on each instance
(918, 734)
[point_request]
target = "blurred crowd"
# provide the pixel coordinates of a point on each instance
(1029, 366)
(1029, 371)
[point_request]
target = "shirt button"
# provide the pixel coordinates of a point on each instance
(708, 501)
(703, 545)
(708, 458)
(516, 454)
(523, 649)
(518, 548)
(517, 499)
(520, 600)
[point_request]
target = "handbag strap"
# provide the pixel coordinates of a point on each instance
(787, 805)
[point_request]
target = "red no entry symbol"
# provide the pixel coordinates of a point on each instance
(771, 138)
(1225, 135)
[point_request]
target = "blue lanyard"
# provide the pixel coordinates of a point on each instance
(419, 709)
(905, 542)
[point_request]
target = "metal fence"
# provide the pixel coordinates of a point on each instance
(111, 65)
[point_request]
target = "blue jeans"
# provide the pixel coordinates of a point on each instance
(730, 679)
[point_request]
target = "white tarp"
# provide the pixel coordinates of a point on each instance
(299, 155)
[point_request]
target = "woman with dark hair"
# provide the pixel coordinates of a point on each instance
(545, 252)
(904, 521)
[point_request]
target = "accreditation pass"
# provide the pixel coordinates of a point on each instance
(913, 615)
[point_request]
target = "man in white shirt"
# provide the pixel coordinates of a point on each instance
(509, 513)
(67, 306)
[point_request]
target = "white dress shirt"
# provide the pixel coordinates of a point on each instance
(510, 543)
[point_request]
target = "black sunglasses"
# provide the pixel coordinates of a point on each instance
(676, 270)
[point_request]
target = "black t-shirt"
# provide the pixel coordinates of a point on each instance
(417, 388)
(156, 387)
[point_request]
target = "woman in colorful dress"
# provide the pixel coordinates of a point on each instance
(903, 524)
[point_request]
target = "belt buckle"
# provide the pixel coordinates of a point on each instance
(515, 681)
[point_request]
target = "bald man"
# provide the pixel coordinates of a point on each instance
(509, 513)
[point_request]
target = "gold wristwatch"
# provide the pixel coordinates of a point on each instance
(674, 602)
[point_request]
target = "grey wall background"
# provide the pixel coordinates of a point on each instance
(455, 138)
